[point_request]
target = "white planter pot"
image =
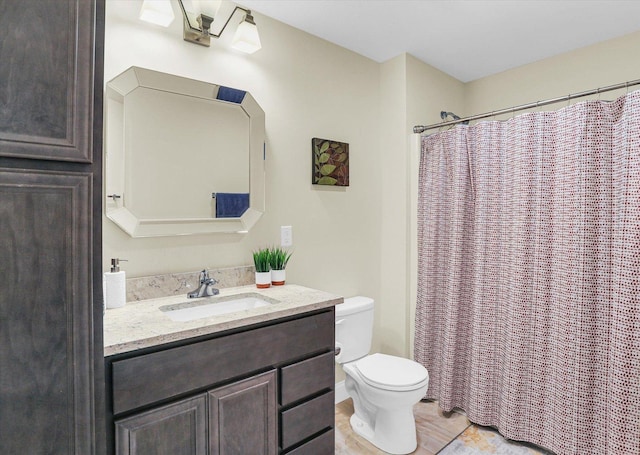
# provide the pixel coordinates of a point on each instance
(263, 279)
(278, 277)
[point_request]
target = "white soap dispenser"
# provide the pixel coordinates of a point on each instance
(115, 285)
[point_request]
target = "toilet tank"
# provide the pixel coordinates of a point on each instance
(354, 328)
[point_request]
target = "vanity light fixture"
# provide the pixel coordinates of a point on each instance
(246, 38)
(160, 12)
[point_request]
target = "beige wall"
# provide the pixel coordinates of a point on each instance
(390, 336)
(355, 240)
(307, 88)
(602, 64)
(412, 92)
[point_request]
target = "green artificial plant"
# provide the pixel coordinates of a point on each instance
(261, 259)
(278, 258)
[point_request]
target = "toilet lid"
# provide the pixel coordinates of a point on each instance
(390, 372)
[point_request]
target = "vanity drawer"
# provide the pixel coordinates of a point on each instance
(307, 377)
(307, 419)
(320, 445)
(146, 379)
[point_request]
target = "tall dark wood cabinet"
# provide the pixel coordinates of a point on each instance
(51, 355)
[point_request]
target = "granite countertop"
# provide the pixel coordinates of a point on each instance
(142, 324)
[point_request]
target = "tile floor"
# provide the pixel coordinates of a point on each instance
(435, 430)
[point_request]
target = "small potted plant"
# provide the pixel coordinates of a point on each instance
(278, 259)
(261, 259)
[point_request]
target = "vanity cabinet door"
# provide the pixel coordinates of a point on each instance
(242, 417)
(46, 338)
(176, 429)
(46, 79)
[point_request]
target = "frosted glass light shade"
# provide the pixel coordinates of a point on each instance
(157, 12)
(246, 38)
(208, 7)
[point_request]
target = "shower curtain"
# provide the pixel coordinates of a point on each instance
(528, 308)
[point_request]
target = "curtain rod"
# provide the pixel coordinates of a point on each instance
(522, 107)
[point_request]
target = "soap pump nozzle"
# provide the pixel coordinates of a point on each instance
(115, 264)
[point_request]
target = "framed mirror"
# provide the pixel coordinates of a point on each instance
(182, 156)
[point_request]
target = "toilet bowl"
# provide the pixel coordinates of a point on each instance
(384, 388)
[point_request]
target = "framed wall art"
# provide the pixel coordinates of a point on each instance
(330, 162)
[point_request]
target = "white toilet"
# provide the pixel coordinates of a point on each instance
(384, 388)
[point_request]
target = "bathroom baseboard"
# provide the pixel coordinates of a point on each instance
(340, 392)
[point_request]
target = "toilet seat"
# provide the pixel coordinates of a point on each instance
(392, 373)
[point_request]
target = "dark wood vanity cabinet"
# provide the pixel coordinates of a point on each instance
(51, 354)
(264, 390)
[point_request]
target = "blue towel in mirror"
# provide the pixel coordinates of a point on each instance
(231, 95)
(231, 205)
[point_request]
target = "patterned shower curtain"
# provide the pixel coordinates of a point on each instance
(528, 310)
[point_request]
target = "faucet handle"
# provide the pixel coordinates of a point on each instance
(204, 276)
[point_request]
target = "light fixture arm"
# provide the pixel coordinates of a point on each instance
(202, 35)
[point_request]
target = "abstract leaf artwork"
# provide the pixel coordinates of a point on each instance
(330, 162)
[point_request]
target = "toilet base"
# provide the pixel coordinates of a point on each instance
(395, 431)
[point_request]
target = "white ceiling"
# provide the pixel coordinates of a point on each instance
(467, 39)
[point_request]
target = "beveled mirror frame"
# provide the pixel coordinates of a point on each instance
(115, 208)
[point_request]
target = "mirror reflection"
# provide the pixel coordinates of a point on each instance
(182, 156)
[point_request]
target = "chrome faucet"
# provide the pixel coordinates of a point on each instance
(206, 288)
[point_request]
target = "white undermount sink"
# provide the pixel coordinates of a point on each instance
(215, 306)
